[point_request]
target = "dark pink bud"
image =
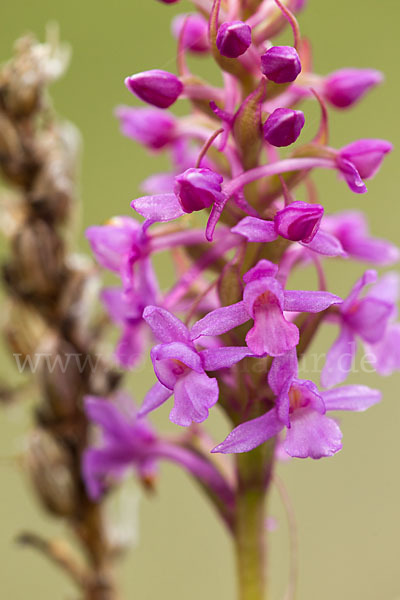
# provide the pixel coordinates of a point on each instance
(233, 39)
(156, 87)
(168, 1)
(283, 127)
(195, 35)
(366, 155)
(281, 64)
(299, 221)
(198, 188)
(345, 87)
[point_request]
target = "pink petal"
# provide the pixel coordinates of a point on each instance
(221, 358)
(352, 176)
(130, 346)
(370, 318)
(165, 326)
(356, 398)
(312, 435)
(387, 288)
(159, 208)
(256, 230)
(156, 396)
(171, 362)
(282, 372)
(194, 395)
(385, 356)
(111, 242)
(271, 333)
(312, 302)
(339, 359)
(326, 244)
(367, 278)
(251, 434)
(264, 268)
(160, 183)
(109, 416)
(220, 320)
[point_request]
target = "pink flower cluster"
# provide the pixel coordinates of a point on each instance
(229, 331)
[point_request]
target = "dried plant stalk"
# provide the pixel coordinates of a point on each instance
(50, 304)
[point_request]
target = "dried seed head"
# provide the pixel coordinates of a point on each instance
(51, 471)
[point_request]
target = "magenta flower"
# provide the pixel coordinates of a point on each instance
(156, 87)
(364, 317)
(300, 408)
(351, 229)
(345, 87)
(181, 369)
(264, 302)
(385, 354)
(299, 222)
(197, 189)
(195, 33)
(366, 155)
(118, 245)
(361, 160)
(126, 308)
(281, 64)
(233, 39)
(127, 442)
(283, 127)
(149, 126)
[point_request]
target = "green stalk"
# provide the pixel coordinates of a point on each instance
(254, 475)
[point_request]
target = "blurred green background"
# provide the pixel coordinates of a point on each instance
(347, 508)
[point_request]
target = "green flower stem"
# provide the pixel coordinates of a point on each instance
(254, 474)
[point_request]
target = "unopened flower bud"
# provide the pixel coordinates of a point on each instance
(155, 87)
(233, 39)
(283, 127)
(195, 34)
(366, 155)
(168, 1)
(198, 188)
(345, 87)
(281, 64)
(149, 126)
(299, 221)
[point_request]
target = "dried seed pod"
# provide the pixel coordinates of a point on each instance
(52, 473)
(61, 376)
(38, 259)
